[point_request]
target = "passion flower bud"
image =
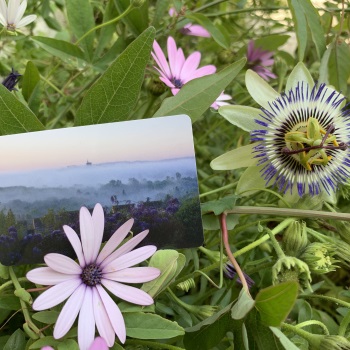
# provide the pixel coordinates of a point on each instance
(334, 342)
(289, 268)
(319, 257)
(295, 238)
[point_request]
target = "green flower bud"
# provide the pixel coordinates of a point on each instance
(295, 238)
(212, 255)
(319, 257)
(334, 342)
(155, 87)
(137, 3)
(24, 295)
(289, 268)
(226, 56)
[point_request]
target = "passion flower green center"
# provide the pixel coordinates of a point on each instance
(307, 143)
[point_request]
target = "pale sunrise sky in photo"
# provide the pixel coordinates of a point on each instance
(137, 140)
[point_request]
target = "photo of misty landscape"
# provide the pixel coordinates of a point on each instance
(142, 169)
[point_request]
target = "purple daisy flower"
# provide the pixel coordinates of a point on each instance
(179, 70)
(84, 283)
(260, 61)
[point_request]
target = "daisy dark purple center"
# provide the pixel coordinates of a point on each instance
(91, 275)
(177, 83)
(303, 139)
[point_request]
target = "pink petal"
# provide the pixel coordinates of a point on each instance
(172, 12)
(69, 312)
(197, 30)
(190, 65)
(99, 344)
(172, 53)
(206, 70)
(48, 277)
(167, 82)
(175, 91)
(103, 323)
(134, 275)
(125, 248)
(98, 218)
(128, 293)
(115, 240)
(161, 60)
(179, 62)
(130, 259)
(86, 322)
(87, 234)
(62, 263)
(56, 294)
(76, 244)
(114, 314)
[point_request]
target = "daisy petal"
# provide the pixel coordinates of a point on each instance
(26, 20)
(3, 20)
(161, 60)
(76, 244)
(242, 116)
(98, 219)
(179, 62)
(125, 248)
(20, 12)
(130, 259)
(114, 314)
(134, 275)
(48, 277)
(172, 53)
(86, 323)
(115, 240)
(103, 323)
(12, 7)
(62, 263)
(299, 74)
(56, 294)
(190, 65)
(3, 10)
(261, 91)
(99, 344)
(127, 293)
(69, 312)
(201, 72)
(238, 158)
(87, 234)
(197, 30)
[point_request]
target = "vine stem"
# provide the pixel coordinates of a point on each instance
(313, 322)
(289, 212)
(344, 324)
(313, 339)
(219, 189)
(230, 255)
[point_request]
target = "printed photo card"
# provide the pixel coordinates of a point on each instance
(141, 169)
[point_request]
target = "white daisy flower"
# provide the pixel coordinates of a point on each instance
(11, 14)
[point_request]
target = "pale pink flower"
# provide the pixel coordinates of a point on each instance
(98, 344)
(179, 70)
(260, 61)
(84, 283)
(220, 101)
(11, 14)
(191, 29)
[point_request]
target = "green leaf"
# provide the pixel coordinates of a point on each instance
(198, 95)
(242, 306)
(287, 344)
(47, 317)
(206, 334)
(47, 341)
(150, 326)
(220, 205)
(30, 80)
(68, 344)
(300, 25)
(4, 272)
(216, 33)
(274, 303)
(160, 10)
(250, 181)
(81, 20)
(211, 222)
(9, 302)
(14, 116)
(114, 95)
(271, 42)
(137, 19)
(338, 67)
(16, 341)
(62, 49)
(170, 263)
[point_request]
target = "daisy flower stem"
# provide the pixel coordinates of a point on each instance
(24, 307)
(289, 212)
(152, 344)
(230, 255)
(114, 20)
(10, 283)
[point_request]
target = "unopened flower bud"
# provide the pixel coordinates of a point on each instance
(289, 268)
(334, 342)
(319, 257)
(137, 3)
(155, 87)
(295, 238)
(226, 56)
(24, 295)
